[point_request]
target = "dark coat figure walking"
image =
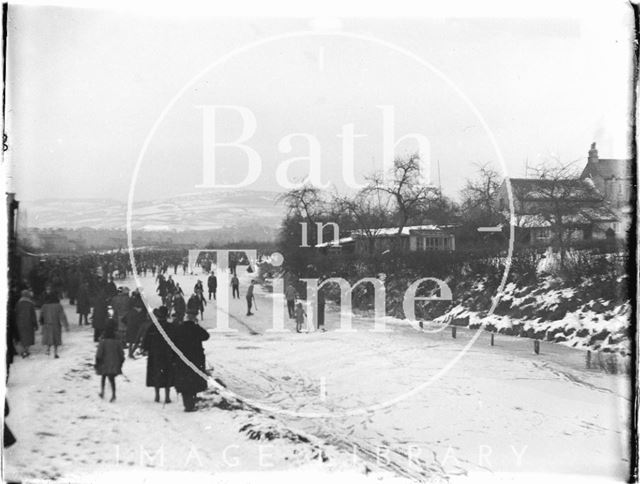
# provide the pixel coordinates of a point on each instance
(134, 321)
(188, 338)
(250, 298)
(109, 359)
(83, 304)
(235, 287)
(179, 307)
(212, 284)
(290, 296)
(321, 309)
(26, 321)
(160, 368)
(121, 304)
(194, 304)
(100, 315)
(110, 288)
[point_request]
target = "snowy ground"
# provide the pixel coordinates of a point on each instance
(499, 411)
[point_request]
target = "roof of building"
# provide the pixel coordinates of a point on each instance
(332, 243)
(607, 168)
(406, 231)
(539, 189)
(386, 232)
(585, 216)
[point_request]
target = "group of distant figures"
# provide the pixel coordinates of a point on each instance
(120, 319)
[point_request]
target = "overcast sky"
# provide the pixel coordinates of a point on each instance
(87, 86)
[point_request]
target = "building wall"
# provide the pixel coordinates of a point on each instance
(413, 243)
(433, 241)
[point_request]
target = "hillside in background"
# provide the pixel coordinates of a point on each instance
(202, 210)
(191, 219)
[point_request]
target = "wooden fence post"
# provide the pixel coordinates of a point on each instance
(492, 334)
(588, 359)
(536, 346)
(453, 332)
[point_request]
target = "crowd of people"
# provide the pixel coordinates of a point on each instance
(119, 317)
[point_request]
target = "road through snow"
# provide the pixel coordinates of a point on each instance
(500, 409)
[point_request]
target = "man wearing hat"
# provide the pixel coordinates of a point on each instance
(188, 338)
(250, 297)
(160, 370)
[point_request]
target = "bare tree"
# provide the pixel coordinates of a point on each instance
(406, 189)
(563, 200)
(479, 194)
(364, 212)
(306, 202)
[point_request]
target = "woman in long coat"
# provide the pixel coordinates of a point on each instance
(188, 338)
(135, 321)
(83, 303)
(52, 318)
(160, 371)
(100, 314)
(26, 321)
(109, 359)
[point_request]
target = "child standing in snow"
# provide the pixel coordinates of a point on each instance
(109, 359)
(300, 316)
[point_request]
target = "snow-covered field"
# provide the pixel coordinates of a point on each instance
(498, 411)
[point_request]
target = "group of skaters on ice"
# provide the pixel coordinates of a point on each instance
(127, 325)
(120, 321)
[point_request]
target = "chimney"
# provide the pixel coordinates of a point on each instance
(593, 153)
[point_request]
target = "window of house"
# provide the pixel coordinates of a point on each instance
(433, 243)
(420, 243)
(543, 233)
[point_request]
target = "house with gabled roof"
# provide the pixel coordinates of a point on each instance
(585, 214)
(613, 178)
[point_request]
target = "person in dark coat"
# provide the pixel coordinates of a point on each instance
(212, 284)
(193, 304)
(109, 358)
(26, 321)
(110, 287)
(83, 303)
(100, 314)
(250, 297)
(160, 369)
(134, 321)
(179, 307)
(290, 296)
(121, 304)
(321, 308)
(10, 327)
(188, 338)
(235, 287)
(73, 285)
